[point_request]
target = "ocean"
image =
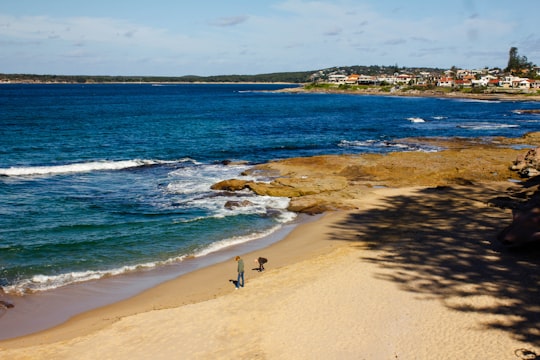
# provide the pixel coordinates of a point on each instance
(103, 180)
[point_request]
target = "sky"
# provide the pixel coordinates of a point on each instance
(223, 37)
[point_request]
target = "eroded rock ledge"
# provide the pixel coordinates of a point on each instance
(321, 183)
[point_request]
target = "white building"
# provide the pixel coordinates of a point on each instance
(337, 78)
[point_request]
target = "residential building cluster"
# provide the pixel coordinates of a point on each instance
(450, 78)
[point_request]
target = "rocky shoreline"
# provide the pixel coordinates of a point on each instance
(331, 182)
(488, 96)
(339, 182)
(419, 238)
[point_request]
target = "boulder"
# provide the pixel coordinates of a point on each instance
(524, 230)
(525, 227)
(309, 205)
(230, 185)
(528, 165)
(274, 189)
(302, 186)
(231, 204)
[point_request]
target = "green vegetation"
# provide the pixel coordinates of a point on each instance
(518, 65)
(286, 77)
(319, 86)
(299, 77)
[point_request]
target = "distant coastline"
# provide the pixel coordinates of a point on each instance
(309, 88)
(31, 82)
(492, 96)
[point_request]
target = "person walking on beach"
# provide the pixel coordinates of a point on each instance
(240, 272)
(261, 261)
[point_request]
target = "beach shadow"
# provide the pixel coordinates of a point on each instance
(441, 243)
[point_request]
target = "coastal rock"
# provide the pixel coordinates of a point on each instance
(524, 230)
(318, 204)
(528, 165)
(230, 185)
(286, 187)
(525, 227)
(528, 111)
(232, 204)
(329, 182)
(274, 189)
(231, 162)
(295, 187)
(309, 206)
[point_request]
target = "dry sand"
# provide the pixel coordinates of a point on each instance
(412, 274)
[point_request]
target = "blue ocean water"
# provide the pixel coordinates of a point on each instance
(99, 180)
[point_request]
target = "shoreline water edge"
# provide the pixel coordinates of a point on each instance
(42, 310)
(377, 91)
(357, 204)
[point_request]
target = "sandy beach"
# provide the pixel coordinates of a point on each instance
(411, 273)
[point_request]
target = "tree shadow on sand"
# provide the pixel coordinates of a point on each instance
(441, 243)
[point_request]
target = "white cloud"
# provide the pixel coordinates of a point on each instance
(87, 30)
(291, 35)
(230, 21)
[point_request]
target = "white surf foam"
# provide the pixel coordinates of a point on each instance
(487, 126)
(220, 245)
(104, 165)
(192, 186)
(477, 100)
(374, 144)
(38, 283)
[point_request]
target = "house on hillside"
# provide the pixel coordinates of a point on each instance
(404, 79)
(509, 81)
(337, 78)
(446, 82)
(352, 79)
(424, 78)
(463, 83)
(484, 80)
(529, 84)
(385, 79)
(367, 80)
(493, 82)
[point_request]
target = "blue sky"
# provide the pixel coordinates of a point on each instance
(215, 37)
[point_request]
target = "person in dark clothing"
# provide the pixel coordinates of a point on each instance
(261, 261)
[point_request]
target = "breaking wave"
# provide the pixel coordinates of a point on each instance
(387, 145)
(104, 165)
(39, 283)
(487, 126)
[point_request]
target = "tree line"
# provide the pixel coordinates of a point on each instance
(285, 77)
(517, 65)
